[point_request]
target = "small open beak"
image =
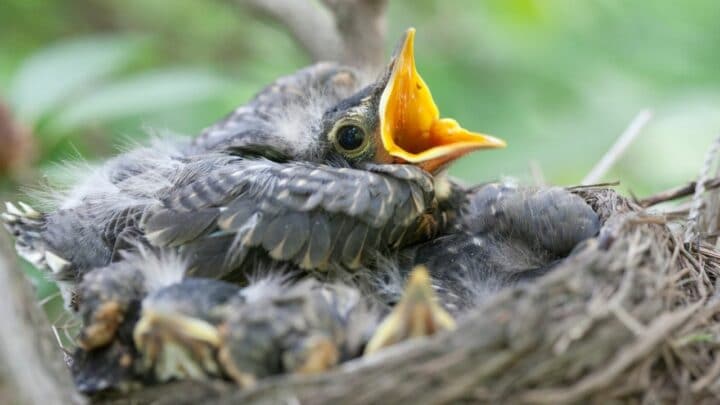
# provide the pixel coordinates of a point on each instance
(411, 128)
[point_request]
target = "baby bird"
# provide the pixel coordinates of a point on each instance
(335, 184)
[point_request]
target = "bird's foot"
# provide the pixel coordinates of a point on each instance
(416, 314)
(26, 224)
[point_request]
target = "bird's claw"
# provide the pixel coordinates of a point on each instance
(21, 210)
(416, 314)
(26, 225)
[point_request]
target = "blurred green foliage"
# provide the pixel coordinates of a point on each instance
(558, 79)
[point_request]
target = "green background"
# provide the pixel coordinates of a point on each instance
(558, 79)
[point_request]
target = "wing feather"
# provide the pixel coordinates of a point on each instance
(314, 216)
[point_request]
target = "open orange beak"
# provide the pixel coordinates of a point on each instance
(411, 128)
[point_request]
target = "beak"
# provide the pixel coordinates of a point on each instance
(411, 128)
(416, 314)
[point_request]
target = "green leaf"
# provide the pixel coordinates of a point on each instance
(49, 77)
(148, 92)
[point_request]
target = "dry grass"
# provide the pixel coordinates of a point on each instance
(632, 317)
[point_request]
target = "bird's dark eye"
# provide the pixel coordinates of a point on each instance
(350, 137)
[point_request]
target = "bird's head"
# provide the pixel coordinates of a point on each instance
(395, 120)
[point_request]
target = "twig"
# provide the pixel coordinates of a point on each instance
(655, 334)
(502, 352)
(351, 32)
(677, 192)
(709, 378)
(309, 23)
(692, 231)
(593, 186)
(618, 148)
(361, 26)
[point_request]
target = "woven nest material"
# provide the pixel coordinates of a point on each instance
(632, 317)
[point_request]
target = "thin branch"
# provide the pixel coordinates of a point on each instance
(660, 329)
(311, 24)
(351, 32)
(692, 231)
(677, 192)
(618, 148)
(609, 184)
(361, 26)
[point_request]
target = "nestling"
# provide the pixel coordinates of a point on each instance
(320, 176)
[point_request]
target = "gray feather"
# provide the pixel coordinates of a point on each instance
(273, 205)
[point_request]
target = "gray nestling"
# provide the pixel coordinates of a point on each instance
(321, 174)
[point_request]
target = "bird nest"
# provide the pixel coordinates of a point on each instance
(632, 316)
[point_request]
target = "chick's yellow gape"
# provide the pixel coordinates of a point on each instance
(412, 130)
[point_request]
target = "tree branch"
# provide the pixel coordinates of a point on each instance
(362, 28)
(351, 32)
(29, 355)
(311, 25)
(677, 192)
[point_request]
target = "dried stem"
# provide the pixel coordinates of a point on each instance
(693, 231)
(618, 148)
(677, 192)
(309, 23)
(601, 328)
(660, 330)
(362, 28)
(351, 32)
